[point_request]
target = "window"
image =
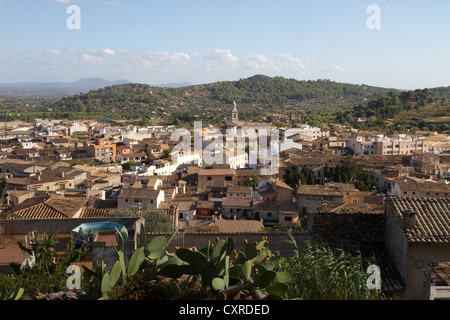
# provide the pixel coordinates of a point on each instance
(269, 214)
(288, 219)
(228, 178)
(209, 178)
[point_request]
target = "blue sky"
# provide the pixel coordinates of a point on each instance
(203, 41)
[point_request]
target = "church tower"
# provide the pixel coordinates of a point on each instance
(234, 114)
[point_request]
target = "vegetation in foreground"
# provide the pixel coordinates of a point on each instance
(217, 271)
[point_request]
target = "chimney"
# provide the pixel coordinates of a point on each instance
(409, 219)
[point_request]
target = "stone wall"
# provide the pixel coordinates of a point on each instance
(349, 229)
(396, 242)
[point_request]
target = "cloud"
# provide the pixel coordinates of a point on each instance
(278, 63)
(90, 59)
(151, 60)
(63, 1)
(112, 3)
(338, 68)
(53, 52)
(288, 62)
(103, 52)
(219, 59)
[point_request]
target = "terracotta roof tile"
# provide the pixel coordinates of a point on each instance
(432, 218)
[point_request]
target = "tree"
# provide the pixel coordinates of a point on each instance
(251, 182)
(311, 177)
(327, 171)
(127, 166)
(293, 175)
(47, 274)
(3, 188)
(156, 220)
(338, 174)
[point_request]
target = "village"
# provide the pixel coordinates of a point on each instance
(60, 174)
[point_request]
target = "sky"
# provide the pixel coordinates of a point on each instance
(393, 44)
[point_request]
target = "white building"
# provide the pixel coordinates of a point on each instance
(304, 132)
(78, 127)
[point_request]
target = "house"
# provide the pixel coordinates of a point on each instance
(276, 190)
(239, 192)
(140, 198)
(439, 284)
(208, 209)
(244, 175)
(20, 167)
(48, 207)
(56, 180)
(275, 213)
(307, 195)
(237, 207)
(208, 178)
(404, 187)
(417, 233)
(16, 197)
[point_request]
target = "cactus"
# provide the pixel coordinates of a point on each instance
(16, 295)
(250, 270)
(110, 279)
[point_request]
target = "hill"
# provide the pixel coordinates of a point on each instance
(441, 92)
(405, 111)
(256, 96)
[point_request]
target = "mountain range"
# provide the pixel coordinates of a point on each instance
(56, 88)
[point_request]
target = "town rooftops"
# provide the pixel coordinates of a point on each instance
(139, 193)
(412, 185)
(429, 221)
(239, 190)
(226, 226)
(319, 190)
(48, 207)
(237, 202)
(216, 172)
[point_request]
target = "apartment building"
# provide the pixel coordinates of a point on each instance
(303, 132)
(383, 145)
(402, 145)
(102, 151)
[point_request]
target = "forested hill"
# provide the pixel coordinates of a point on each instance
(441, 92)
(256, 96)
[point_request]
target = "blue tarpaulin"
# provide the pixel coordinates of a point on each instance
(97, 226)
(83, 230)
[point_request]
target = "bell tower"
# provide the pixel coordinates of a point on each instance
(234, 114)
